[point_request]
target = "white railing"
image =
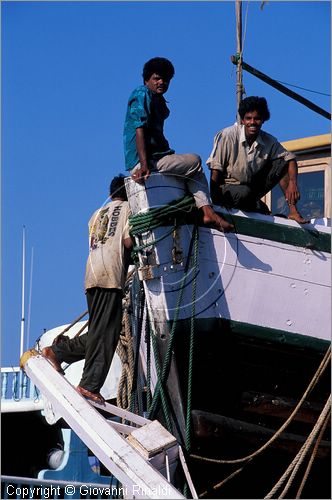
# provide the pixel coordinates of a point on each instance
(16, 385)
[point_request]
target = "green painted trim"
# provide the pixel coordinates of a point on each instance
(250, 331)
(279, 336)
(187, 213)
(297, 236)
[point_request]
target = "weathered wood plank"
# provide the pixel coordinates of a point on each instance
(217, 427)
(272, 406)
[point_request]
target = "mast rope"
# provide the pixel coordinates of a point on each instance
(302, 88)
(245, 29)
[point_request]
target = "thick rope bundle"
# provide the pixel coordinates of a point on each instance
(161, 216)
(126, 355)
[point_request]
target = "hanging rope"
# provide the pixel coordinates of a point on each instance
(167, 359)
(174, 213)
(323, 365)
(191, 352)
(161, 390)
(224, 481)
(191, 345)
(148, 362)
(320, 427)
(133, 394)
(313, 455)
(125, 352)
(294, 466)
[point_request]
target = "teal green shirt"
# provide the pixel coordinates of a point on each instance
(148, 110)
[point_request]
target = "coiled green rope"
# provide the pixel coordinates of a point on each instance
(181, 210)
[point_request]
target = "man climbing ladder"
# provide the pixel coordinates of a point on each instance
(105, 275)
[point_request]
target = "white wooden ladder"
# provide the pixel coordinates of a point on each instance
(133, 459)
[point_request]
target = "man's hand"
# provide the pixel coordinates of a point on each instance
(292, 194)
(140, 175)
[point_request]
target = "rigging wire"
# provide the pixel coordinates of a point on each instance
(245, 29)
(279, 81)
(302, 88)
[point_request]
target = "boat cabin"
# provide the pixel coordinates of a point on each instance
(314, 179)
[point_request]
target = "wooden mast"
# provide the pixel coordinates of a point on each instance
(239, 85)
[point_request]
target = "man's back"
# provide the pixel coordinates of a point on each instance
(108, 227)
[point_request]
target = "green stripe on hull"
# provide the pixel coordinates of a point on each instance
(186, 213)
(297, 236)
(250, 331)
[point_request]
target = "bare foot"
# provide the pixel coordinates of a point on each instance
(213, 220)
(95, 396)
(295, 215)
(48, 353)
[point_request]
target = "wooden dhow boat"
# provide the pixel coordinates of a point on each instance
(232, 337)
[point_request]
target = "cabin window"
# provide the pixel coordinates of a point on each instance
(312, 202)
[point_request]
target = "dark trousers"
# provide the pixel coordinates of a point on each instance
(99, 344)
(247, 196)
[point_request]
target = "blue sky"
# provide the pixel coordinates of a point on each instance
(67, 71)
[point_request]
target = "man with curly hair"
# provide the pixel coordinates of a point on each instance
(146, 148)
(246, 163)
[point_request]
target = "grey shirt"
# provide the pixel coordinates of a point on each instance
(238, 161)
(108, 228)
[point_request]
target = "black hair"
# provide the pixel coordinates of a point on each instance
(159, 65)
(254, 103)
(117, 187)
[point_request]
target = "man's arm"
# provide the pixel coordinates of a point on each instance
(292, 194)
(142, 173)
(128, 243)
(216, 181)
(216, 163)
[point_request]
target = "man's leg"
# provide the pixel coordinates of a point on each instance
(242, 196)
(105, 315)
(275, 171)
(293, 211)
(238, 196)
(189, 168)
(67, 351)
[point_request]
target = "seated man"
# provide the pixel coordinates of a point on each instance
(246, 163)
(146, 148)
